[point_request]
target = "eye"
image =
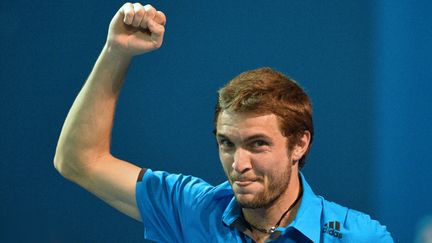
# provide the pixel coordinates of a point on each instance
(258, 146)
(259, 143)
(225, 143)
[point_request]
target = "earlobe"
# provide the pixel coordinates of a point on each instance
(302, 146)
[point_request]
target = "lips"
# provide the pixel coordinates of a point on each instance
(244, 182)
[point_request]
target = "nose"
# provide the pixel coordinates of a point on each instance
(242, 161)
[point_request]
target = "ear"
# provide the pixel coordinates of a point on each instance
(301, 147)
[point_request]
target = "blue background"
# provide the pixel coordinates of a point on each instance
(367, 66)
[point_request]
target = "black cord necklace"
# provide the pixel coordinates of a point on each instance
(273, 229)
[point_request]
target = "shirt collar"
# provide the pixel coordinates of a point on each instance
(232, 212)
(307, 220)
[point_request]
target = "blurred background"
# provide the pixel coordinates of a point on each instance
(367, 66)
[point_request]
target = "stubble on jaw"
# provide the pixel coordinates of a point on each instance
(274, 189)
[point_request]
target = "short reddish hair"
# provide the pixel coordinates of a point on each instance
(265, 91)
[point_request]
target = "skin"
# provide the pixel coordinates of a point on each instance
(262, 173)
(83, 151)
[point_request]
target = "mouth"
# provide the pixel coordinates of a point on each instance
(243, 183)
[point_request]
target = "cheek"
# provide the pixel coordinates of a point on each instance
(226, 161)
(262, 162)
(270, 163)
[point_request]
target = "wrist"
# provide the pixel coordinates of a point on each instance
(117, 52)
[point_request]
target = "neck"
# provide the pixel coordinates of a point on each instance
(267, 217)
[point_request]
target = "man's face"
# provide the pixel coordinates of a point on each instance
(254, 156)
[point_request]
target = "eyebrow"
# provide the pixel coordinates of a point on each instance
(253, 137)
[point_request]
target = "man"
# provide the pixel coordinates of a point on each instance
(263, 126)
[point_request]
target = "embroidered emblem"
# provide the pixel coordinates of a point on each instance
(332, 228)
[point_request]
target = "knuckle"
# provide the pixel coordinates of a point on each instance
(137, 4)
(140, 13)
(148, 7)
(150, 10)
(127, 4)
(137, 7)
(161, 14)
(129, 14)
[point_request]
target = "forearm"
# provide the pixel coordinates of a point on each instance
(86, 133)
(83, 150)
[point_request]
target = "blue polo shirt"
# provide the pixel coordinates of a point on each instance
(180, 208)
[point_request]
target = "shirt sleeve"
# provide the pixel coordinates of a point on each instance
(365, 229)
(165, 200)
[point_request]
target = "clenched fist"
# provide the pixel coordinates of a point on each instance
(136, 29)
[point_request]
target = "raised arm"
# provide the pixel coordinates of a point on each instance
(83, 150)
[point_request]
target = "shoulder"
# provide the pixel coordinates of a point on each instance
(182, 186)
(362, 227)
(351, 225)
(164, 182)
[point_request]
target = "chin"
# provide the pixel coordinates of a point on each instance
(249, 201)
(256, 200)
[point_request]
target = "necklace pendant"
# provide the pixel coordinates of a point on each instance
(272, 230)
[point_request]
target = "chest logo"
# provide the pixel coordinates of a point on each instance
(332, 228)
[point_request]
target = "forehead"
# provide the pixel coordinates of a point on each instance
(247, 124)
